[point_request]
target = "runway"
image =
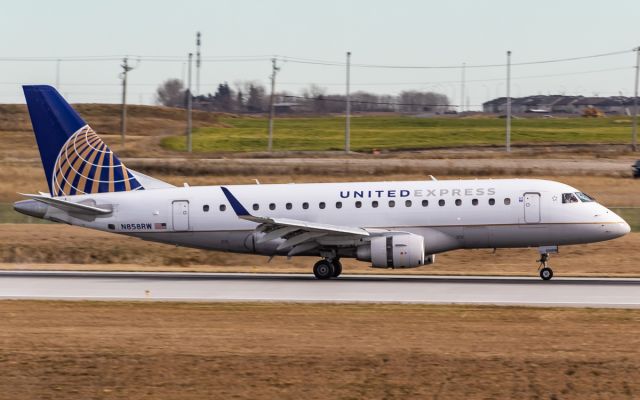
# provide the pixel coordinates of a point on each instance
(573, 292)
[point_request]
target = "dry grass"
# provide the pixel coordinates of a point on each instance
(25, 246)
(105, 118)
(292, 351)
(28, 177)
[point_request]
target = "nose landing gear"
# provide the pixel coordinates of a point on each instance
(546, 273)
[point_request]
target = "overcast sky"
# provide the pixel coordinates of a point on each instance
(400, 32)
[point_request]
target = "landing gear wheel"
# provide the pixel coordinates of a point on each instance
(337, 268)
(546, 273)
(323, 269)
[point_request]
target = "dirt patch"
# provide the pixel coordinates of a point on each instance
(291, 351)
(28, 246)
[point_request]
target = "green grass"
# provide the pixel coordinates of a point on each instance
(398, 132)
(9, 216)
(631, 215)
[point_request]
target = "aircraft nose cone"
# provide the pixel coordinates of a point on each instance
(624, 228)
(618, 229)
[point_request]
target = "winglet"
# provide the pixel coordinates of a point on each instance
(235, 204)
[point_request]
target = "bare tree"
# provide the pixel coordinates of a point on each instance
(255, 98)
(171, 93)
(416, 101)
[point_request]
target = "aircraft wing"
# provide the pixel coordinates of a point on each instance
(299, 235)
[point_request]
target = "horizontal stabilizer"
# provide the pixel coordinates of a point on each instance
(69, 206)
(149, 182)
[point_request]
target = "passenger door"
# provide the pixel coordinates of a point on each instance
(532, 208)
(181, 215)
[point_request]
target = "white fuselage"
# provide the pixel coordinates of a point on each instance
(449, 214)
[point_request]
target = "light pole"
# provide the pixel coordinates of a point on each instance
(347, 128)
(189, 105)
(123, 117)
(462, 83)
(508, 133)
(634, 130)
(274, 70)
(198, 64)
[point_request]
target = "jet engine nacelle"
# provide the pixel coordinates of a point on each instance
(394, 251)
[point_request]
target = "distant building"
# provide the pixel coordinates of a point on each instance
(559, 104)
(565, 105)
(495, 106)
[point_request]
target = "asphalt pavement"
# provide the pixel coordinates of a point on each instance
(572, 292)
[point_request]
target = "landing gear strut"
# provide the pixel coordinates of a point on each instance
(546, 273)
(327, 268)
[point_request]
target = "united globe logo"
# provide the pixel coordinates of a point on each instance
(85, 164)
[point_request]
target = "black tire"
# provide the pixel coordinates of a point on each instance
(337, 268)
(323, 269)
(546, 273)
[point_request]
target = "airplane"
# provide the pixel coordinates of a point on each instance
(389, 224)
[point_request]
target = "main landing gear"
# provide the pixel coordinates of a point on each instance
(327, 268)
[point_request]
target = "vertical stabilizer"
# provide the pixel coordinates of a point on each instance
(74, 158)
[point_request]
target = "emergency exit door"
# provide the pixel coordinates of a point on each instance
(532, 208)
(181, 215)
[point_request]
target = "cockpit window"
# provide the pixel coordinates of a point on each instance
(585, 198)
(569, 198)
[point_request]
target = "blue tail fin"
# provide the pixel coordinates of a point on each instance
(75, 159)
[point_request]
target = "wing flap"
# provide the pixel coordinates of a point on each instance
(307, 225)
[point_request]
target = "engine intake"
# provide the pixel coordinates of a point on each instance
(394, 251)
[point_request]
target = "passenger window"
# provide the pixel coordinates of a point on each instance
(492, 202)
(392, 203)
(374, 204)
(569, 198)
(474, 202)
(407, 203)
(322, 205)
(338, 204)
(289, 206)
(272, 206)
(425, 203)
(458, 202)
(205, 208)
(305, 206)
(223, 207)
(358, 204)
(507, 201)
(441, 202)
(256, 207)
